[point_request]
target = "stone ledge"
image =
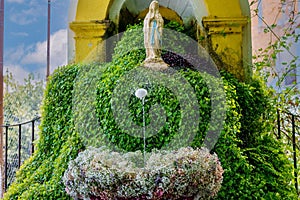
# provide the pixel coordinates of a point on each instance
(156, 64)
(88, 29)
(224, 25)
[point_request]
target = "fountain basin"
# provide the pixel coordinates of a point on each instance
(186, 173)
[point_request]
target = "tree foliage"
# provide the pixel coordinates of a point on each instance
(278, 61)
(22, 101)
(21, 104)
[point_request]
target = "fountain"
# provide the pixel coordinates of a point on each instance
(141, 94)
(116, 175)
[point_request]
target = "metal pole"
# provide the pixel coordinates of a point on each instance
(32, 136)
(48, 40)
(19, 146)
(6, 150)
(144, 131)
(7, 79)
(1, 89)
(295, 155)
(278, 123)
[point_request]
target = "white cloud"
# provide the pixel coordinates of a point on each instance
(14, 55)
(35, 56)
(28, 13)
(58, 51)
(23, 17)
(17, 71)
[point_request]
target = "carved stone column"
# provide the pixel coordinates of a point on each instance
(226, 40)
(89, 37)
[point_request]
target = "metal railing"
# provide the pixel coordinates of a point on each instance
(288, 129)
(15, 148)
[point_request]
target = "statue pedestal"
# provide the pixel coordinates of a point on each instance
(155, 64)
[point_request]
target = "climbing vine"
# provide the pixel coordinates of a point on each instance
(277, 61)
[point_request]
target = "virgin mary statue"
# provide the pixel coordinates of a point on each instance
(153, 28)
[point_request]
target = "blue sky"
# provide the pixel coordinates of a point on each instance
(25, 35)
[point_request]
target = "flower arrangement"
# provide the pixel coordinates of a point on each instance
(185, 174)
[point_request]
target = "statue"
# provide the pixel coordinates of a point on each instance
(153, 29)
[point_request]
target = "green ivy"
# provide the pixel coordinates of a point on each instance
(254, 163)
(40, 176)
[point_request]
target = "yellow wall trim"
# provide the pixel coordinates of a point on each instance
(222, 25)
(89, 36)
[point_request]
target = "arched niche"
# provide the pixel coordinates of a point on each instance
(225, 25)
(126, 17)
(177, 10)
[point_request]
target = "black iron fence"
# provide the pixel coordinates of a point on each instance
(19, 143)
(288, 130)
(18, 146)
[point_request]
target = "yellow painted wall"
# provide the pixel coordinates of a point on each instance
(89, 37)
(223, 8)
(226, 40)
(225, 27)
(92, 10)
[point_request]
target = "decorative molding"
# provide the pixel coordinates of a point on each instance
(90, 29)
(224, 25)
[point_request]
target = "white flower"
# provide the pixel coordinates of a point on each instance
(141, 93)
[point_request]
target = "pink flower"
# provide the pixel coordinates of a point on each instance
(159, 192)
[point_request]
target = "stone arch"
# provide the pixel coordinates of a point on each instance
(170, 9)
(225, 25)
(126, 17)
